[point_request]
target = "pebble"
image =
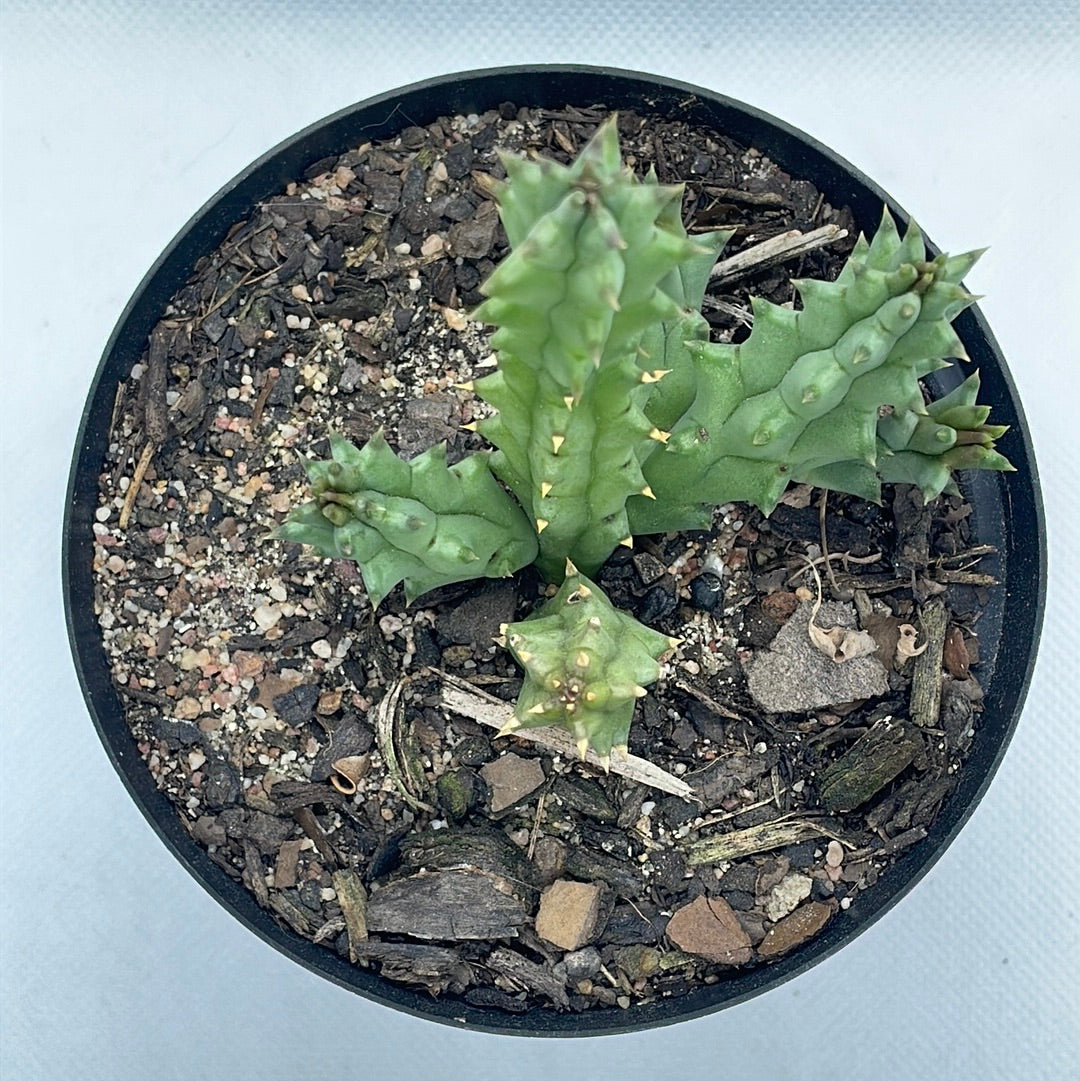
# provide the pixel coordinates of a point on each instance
(787, 894)
(266, 615)
(795, 929)
(568, 913)
(511, 778)
(834, 855)
(709, 928)
(322, 649)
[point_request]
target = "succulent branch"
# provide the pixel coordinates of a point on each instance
(598, 260)
(586, 664)
(828, 394)
(420, 522)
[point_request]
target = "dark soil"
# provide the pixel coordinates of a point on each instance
(409, 838)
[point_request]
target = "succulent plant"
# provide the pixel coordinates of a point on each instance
(420, 522)
(586, 664)
(615, 415)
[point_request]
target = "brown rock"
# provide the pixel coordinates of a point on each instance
(794, 930)
(568, 913)
(709, 928)
(511, 778)
(271, 687)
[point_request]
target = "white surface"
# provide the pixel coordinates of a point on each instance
(119, 121)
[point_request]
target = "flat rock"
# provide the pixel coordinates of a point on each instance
(568, 913)
(794, 930)
(511, 778)
(794, 676)
(477, 619)
(709, 928)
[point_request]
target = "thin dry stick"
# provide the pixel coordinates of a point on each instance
(460, 697)
(777, 249)
(136, 483)
(822, 506)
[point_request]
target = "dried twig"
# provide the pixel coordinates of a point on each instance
(136, 483)
(461, 697)
(777, 249)
(706, 700)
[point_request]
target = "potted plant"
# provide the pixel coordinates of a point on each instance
(393, 833)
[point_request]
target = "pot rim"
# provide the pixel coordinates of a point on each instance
(1014, 501)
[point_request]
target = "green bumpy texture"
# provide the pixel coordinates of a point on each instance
(420, 522)
(596, 262)
(586, 664)
(827, 395)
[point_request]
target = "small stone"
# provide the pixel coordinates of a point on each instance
(568, 913)
(329, 703)
(511, 778)
(582, 964)
(431, 245)
(794, 930)
(786, 895)
(834, 855)
(266, 615)
(709, 928)
(706, 592)
(794, 676)
(322, 649)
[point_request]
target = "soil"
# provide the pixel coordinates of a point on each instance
(305, 740)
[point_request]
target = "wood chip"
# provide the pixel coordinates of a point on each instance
(352, 897)
(926, 679)
(761, 838)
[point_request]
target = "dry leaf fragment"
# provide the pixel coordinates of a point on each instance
(838, 643)
(841, 643)
(906, 647)
(798, 496)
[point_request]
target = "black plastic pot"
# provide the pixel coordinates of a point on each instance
(1007, 513)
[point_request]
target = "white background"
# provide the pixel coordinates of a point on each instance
(121, 119)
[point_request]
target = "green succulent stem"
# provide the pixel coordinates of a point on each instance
(421, 522)
(597, 263)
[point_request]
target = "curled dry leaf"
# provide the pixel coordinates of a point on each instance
(906, 647)
(842, 643)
